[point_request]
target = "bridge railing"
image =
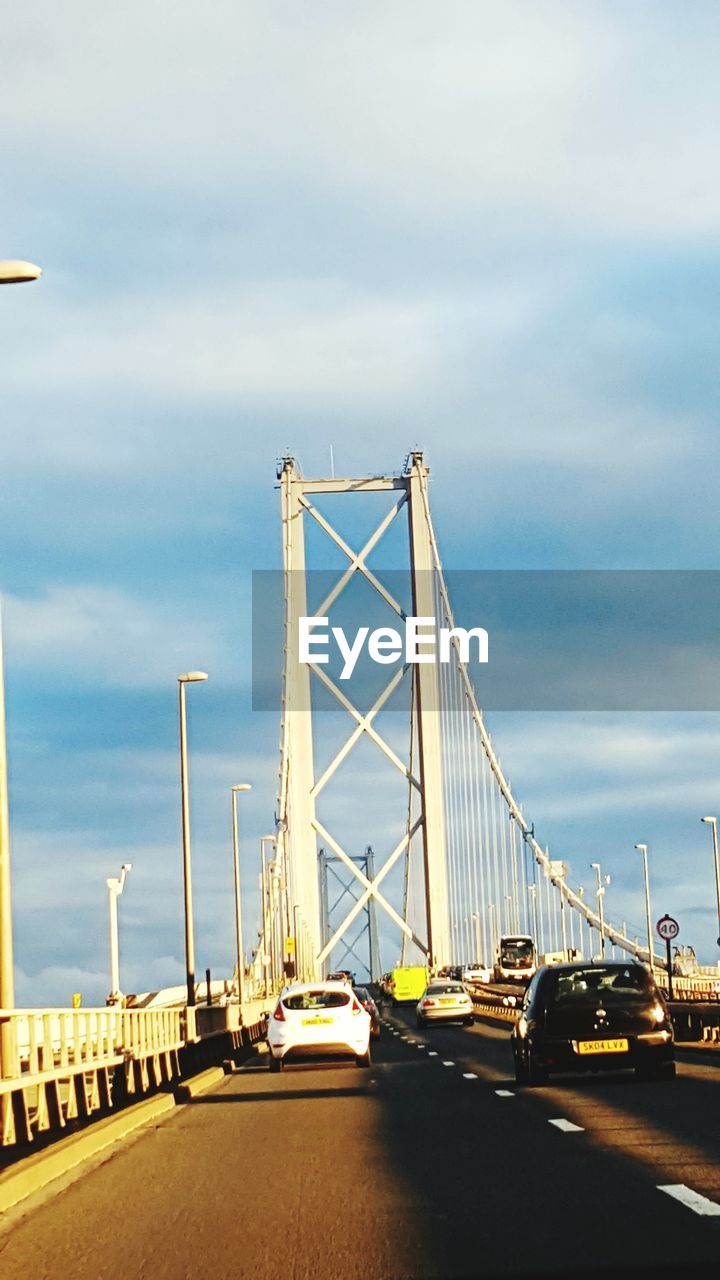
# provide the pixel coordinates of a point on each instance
(63, 1064)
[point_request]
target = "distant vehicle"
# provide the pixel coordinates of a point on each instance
(514, 958)
(444, 1001)
(593, 1017)
(407, 983)
(341, 975)
(318, 1019)
(476, 973)
(370, 1007)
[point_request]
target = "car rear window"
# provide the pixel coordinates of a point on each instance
(447, 989)
(316, 1000)
(629, 982)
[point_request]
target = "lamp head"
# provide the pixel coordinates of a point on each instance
(192, 677)
(641, 847)
(126, 866)
(242, 786)
(16, 272)
(710, 819)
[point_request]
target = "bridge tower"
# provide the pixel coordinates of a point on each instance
(299, 830)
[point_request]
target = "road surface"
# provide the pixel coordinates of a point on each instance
(420, 1167)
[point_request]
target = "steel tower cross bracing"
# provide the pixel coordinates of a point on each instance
(298, 826)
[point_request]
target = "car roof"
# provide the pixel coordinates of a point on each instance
(578, 965)
(325, 984)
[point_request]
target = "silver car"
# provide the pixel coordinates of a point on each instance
(444, 1002)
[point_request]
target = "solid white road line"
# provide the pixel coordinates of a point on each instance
(692, 1200)
(504, 1093)
(567, 1126)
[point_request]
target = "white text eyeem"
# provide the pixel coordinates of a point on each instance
(422, 641)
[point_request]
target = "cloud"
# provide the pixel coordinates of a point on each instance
(95, 632)
(575, 108)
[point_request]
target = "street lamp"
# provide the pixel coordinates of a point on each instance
(10, 273)
(479, 957)
(713, 824)
(13, 271)
(190, 677)
(600, 895)
(239, 786)
(115, 885)
(648, 916)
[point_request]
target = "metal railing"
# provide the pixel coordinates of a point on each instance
(63, 1064)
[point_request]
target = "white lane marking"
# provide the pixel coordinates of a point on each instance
(448, 1064)
(432, 1053)
(692, 1200)
(408, 1040)
(567, 1126)
(469, 1075)
(420, 1044)
(405, 1038)
(504, 1093)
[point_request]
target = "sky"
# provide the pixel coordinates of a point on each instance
(487, 230)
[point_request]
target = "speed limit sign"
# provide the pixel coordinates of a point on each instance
(667, 928)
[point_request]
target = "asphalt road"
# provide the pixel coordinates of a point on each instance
(416, 1168)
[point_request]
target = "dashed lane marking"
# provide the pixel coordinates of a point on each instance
(567, 1126)
(448, 1064)
(504, 1093)
(469, 1075)
(692, 1200)
(432, 1053)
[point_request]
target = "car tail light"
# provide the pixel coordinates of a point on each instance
(279, 1014)
(356, 1008)
(427, 1003)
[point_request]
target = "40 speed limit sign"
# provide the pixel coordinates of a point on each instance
(667, 928)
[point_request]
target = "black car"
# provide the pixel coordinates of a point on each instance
(370, 1007)
(592, 1017)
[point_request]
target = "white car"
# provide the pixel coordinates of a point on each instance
(444, 1002)
(477, 973)
(317, 1019)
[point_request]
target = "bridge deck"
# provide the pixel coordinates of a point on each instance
(410, 1169)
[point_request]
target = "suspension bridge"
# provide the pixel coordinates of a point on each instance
(454, 866)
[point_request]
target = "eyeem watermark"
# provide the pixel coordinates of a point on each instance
(422, 641)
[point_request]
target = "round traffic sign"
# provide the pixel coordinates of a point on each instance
(667, 928)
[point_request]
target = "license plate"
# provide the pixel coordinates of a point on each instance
(447, 1000)
(314, 1022)
(602, 1046)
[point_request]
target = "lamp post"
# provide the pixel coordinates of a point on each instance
(532, 890)
(600, 895)
(115, 885)
(493, 927)
(648, 915)
(479, 958)
(190, 677)
(713, 824)
(239, 786)
(11, 272)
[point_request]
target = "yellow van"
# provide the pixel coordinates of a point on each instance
(408, 984)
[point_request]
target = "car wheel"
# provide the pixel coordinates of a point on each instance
(363, 1059)
(469, 1021)
(535, 1075)
(276, 1064)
